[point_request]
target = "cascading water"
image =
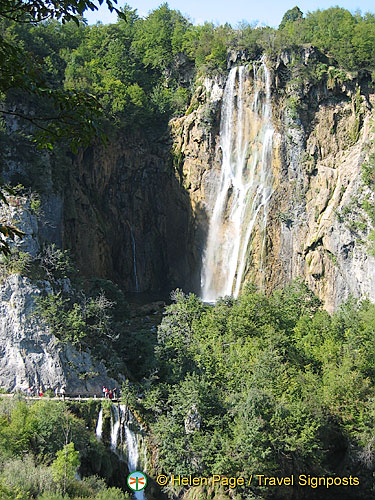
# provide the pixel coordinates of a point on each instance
(99, 425)
(133, 449)
(120, 419)
(115, 427)
(245, 184)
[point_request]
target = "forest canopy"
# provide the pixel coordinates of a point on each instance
(143, 68)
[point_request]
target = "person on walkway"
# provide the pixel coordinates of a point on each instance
(114, 392)
(40, 391)
(57, 392)
(106, 393)
(62, 393)
(103, 390)
(110, 394)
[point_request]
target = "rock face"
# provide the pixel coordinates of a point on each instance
(193, 420)
(31, 356)
(316, 227)
(319, 229)
(19, 213)
(127, 218)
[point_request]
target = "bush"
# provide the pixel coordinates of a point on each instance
(26, 476)
(112, 494)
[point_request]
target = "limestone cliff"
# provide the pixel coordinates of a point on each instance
(127, 218)
(30, 355)
(316, 226)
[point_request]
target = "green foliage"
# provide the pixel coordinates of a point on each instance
(345, 38)
(16, 262)
(175, 333)
(8, 493)
(270, 383)
(291, 15)
(293, 105)
(75, 322)
(35, 204)
(25, 475)
(37, 11)
(159, 37)
(112, 494)
(208, 45)
(65, 466)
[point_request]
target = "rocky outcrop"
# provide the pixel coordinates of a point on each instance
(31, 356)
(19, 213)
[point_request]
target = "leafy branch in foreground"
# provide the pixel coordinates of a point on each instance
(32, 11)
(73, 114)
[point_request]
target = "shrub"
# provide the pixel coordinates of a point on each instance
(26, 476)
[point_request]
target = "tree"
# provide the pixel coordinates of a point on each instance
(74, 113)
(160, 36)
(41, 10)
(65, 466)
(291, 15)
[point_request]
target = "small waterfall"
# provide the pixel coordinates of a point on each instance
(136, 282)
(115, 427)
(99, 425)
(245, 184)
(133, 449)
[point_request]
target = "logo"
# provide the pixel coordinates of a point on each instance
(137, 481)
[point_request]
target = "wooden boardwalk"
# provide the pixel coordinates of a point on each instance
(60, 398)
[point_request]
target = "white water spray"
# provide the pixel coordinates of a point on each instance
(132, 447)
(115, 427)
(245, 184)
(99, 425)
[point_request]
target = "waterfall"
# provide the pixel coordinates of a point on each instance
(132, 448)
(136, 282)
(244, 187)
(99, 425)
(115, 427)
(120, 420)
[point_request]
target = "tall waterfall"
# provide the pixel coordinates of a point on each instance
(244, 187)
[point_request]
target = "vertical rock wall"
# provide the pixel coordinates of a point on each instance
(128, 219)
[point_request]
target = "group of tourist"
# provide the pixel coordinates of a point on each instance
(60, 392)
(34, 391)
(110, 393)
